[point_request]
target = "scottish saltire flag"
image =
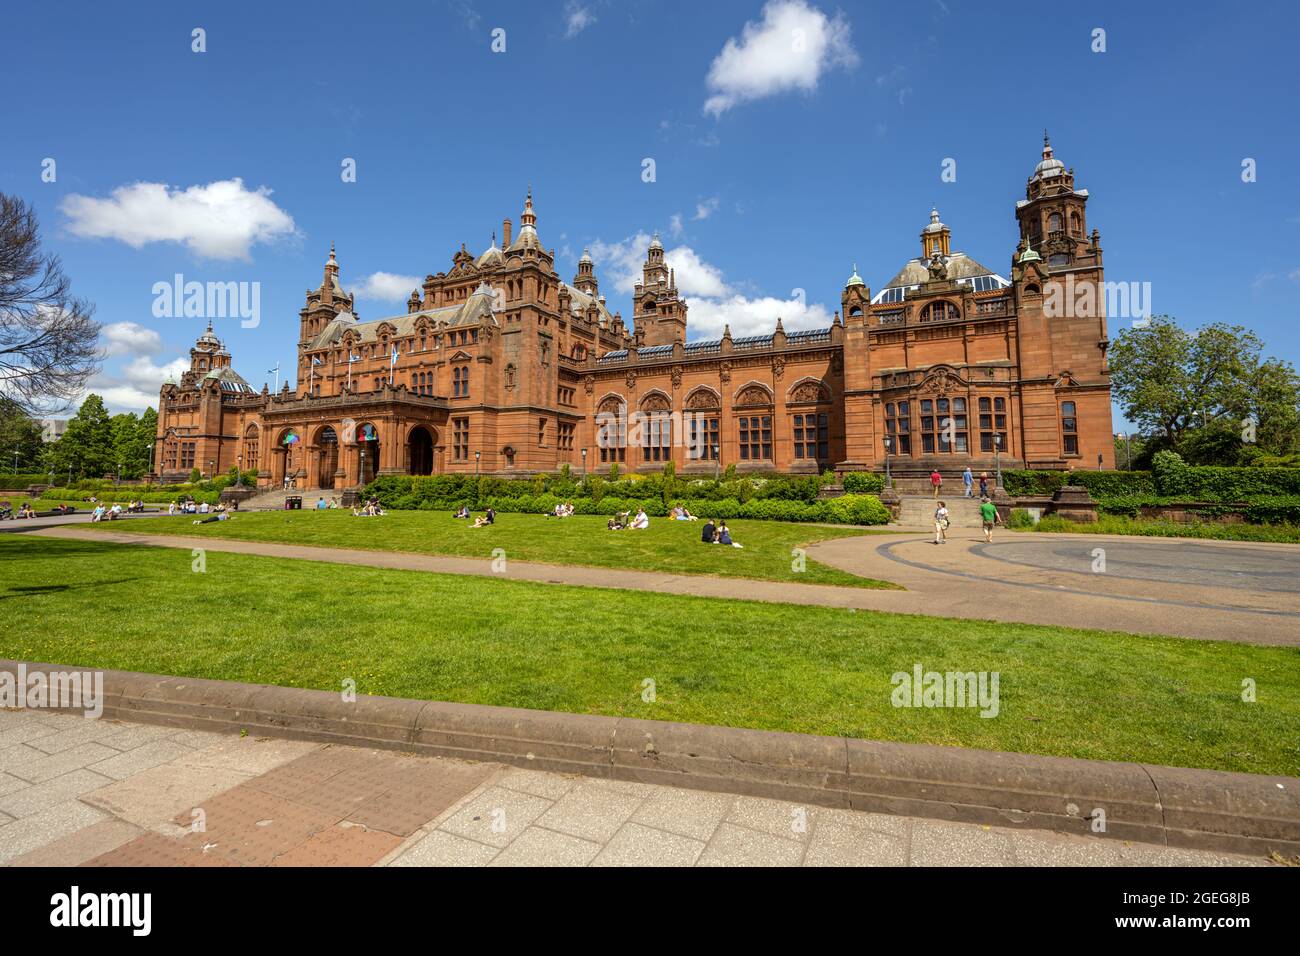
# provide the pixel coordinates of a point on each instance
(316, 361)
(394, 358)
(353, 358)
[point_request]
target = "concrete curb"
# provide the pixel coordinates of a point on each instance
(1196, 809)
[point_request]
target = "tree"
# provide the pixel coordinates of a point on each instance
(48, 340)
(20, 433)
(86, 448)
(1207, 394)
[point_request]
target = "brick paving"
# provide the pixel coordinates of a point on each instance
(75, 792)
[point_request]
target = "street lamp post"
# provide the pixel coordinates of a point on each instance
(717, 464)
(239, 471)
(477, 456)
(889, 479)
(117, 478)
(1128, 457)
(997, 461)
(584, 463)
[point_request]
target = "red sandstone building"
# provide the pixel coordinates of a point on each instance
(500, 367)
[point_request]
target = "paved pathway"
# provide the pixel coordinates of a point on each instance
(78, 792)
(1224, 590)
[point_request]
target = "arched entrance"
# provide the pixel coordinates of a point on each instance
(289, 450)
(420, 446)
(368, 452)
(327, 444)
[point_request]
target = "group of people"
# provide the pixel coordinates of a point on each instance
(370, 508)
(25, 510)
(626, 521)
(104, 513)
(717, 534)
(988, 518)
(323, 505)
(563, 509)
(486, 518)
(187, 506)
(679, 513)
(967, 482)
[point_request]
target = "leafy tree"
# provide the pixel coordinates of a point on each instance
(1202, 393)
(20, 433)
(86, 448)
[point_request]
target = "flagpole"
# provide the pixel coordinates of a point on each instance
(276, 370)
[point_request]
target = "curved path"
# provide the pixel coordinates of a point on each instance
(1225, 590)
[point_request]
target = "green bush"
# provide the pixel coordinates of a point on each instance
(859, 482)
(1274, 509)
(126, 494)
(12, 482)
(856, 509)
(1020, 519)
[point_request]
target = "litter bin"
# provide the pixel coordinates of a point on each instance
(293, 503)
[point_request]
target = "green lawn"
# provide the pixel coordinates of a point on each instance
(670, 546)
(1154, 528)
(815, 670)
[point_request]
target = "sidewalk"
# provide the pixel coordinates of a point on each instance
(107, 793)
(962, 580)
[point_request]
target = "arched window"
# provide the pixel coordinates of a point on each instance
(1054, 223)
(611, 429)
(1069, 429)
(510, 375)
(1076, 224)
(938, 311)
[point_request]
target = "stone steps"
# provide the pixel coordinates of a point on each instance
(918, 511)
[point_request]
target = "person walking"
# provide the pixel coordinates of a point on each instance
(989, 515)
(941, 524)
(936, 482)
(967, 480)
(984, 485)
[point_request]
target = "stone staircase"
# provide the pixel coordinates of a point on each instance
(273, 499)
(917, 511)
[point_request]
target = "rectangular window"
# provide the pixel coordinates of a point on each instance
(460, 439)
(703, 441)
(541, 432)
(812, 436)
(565, 436)
(755, 433)
(657, 437)
(1069, 429)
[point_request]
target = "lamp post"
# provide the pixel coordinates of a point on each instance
(889, 479)
(584, 463)
(477, 456)
(15, 461)
(239, 471)
(717, 464)
(1128, 457)
(117, 478)
(997, 461)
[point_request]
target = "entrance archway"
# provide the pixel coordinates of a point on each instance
(327, 442)
(368, 452)
(421, 451)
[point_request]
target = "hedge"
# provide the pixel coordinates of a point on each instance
(847, 509)
(23, 479)
(1100, 484)
(130, 494)
(863, 481)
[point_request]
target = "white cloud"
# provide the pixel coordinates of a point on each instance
(135, 385)
(789, 49)
(675, 225)
(129, 338)
(707, 208)
(578, 17)
(387, 287)
(221, 220)
(713, 302)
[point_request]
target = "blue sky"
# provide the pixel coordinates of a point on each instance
(774, 170)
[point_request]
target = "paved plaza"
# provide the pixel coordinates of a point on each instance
(79, 792)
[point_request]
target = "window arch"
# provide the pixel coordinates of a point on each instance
(1076, 225)
(611, 428)
(1054, 222)
(938, 311)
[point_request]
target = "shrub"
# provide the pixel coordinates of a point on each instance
(856, 509)
(1215, 483)
(1020, 519)
(1274, 509)
(861, 482)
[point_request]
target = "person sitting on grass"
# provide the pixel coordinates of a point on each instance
(462, 512)
(488, 517)
(27, 511)
(707, 532)
(618, 522)
(6, 509)
(321, 503)
(724, 536)
(641, 522)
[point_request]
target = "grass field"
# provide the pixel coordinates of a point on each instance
(669, 546)
(1063, 691)
(1148, 527)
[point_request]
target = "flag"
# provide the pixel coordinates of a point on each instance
(394, 357)
(316, 361)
